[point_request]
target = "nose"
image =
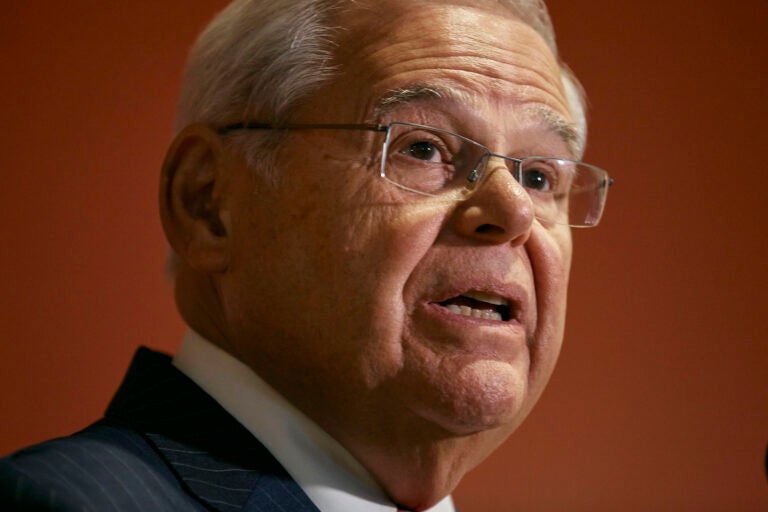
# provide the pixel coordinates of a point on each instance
(499, 211)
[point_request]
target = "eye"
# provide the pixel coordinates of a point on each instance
(536, 179)
(541, 175)
(422, 150)
(426, 159)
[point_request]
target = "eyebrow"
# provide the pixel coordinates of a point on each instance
(412, 94)
(565, 130)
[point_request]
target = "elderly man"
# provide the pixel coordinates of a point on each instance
(370, 206)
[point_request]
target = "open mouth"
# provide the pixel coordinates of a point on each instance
(479, 305)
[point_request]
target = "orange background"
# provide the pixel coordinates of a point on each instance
(660, 400)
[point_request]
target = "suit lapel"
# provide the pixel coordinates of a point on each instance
(214, 456)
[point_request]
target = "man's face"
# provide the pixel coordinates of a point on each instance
(346, 292)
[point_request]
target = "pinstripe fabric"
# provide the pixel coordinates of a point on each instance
(163, 445)
(101, 468)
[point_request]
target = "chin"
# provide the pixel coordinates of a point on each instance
(484, 395)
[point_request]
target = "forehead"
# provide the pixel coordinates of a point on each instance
(475, 54)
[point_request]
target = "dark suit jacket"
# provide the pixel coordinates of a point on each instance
(163, 445)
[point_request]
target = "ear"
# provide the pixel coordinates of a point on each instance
(192, 182)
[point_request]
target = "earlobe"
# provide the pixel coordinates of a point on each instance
(192, 185)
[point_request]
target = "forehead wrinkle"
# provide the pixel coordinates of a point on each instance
(513, 66)
(423, 92)
(468, 48)
(469, 59)
(530, 65)
(523, 77)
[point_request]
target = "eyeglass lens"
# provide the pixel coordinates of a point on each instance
(436, 162)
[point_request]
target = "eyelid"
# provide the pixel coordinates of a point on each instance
(553, 171)
(421, 135)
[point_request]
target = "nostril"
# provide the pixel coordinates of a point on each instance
(489, 229)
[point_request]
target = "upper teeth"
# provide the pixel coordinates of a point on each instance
(486, 297)
(477, 313)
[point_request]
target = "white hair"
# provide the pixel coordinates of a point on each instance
(258, 59)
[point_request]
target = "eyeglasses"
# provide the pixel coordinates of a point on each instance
(439, 163)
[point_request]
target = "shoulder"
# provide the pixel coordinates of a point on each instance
(103, 468)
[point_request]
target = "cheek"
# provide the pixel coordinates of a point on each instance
(379, 261)
(342, 264)
(550, 256)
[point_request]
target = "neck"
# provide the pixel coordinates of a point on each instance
(418, 464)
(198, 303)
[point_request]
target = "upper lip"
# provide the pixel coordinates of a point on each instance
(490, 298)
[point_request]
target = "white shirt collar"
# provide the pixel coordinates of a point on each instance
(325, 470)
